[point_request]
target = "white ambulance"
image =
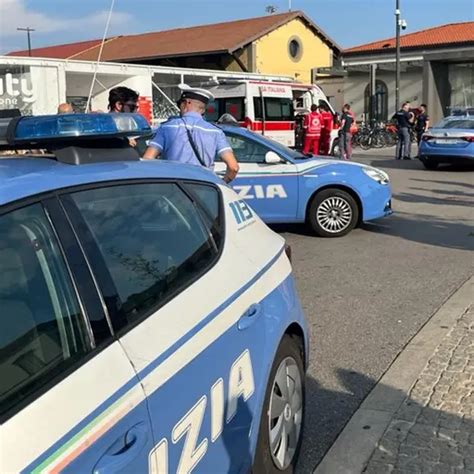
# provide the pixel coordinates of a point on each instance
(269, 108)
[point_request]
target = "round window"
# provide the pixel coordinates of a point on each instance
(295, 48)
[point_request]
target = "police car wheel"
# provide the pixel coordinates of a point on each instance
(281, 425)
(333, 213)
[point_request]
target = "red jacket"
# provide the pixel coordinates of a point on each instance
(313, 123)
(327, 122)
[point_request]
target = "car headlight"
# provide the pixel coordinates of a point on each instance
(377, 175)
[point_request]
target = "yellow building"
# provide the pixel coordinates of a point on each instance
(289, 44)
(295, 48)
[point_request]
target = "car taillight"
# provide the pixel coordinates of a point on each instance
(288, 251)
(469, 139)
(426, 138)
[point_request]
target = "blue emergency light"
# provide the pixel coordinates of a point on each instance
(78, 138)
(73, 127)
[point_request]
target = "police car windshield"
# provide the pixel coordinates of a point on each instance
(278, 147)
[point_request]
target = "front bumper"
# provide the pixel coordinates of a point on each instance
(377, 202)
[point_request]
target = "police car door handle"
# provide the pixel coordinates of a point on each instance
(124, 451)
(249, 317)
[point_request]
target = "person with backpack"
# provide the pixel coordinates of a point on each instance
(312, 125)
(345, 133)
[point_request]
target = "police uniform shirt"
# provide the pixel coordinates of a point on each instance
(421, 122)
(403, 119)
(172, 140)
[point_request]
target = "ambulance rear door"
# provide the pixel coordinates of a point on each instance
(273, 111)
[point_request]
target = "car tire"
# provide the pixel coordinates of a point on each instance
(333, 213)
(287, 367)
(430, 165)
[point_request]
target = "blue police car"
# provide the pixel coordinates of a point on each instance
(134, 336)
(451, 141)
(283, 186)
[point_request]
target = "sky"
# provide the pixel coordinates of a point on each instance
(348, 22)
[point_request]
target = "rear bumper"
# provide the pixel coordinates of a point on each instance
(452, 159)
(446, 154)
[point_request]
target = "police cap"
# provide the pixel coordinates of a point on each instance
(195, 93)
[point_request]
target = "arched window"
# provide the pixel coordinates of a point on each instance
(378, 110)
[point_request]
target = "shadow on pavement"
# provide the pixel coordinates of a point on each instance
(327, 412)
(415, 164)
(419, 436)
(446, 192)
(397, 164)
(426, 229)
(444, 183)
(299, 229)
(450, 198)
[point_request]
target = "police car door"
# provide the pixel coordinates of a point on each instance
(176, 296)
(265, 180)
(70, 400)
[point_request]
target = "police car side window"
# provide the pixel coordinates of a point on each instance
(208, 200)
(42, 330)
(152, 239)
(247, 151)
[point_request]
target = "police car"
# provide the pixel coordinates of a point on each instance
(283, 186)
(149, 318)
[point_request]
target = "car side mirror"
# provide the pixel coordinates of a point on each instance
(271, 158)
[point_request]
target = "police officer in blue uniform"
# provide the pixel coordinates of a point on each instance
(190, 139)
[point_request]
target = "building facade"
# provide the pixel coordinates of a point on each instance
(437, 68)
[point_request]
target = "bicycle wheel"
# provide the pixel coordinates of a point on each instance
(378, 140)
(365, 142)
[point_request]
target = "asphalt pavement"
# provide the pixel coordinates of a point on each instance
(367, 294)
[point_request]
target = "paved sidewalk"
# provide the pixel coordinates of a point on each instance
(433, 430)
(420, 416)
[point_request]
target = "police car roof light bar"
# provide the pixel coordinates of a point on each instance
(72, 128)
(77, 139)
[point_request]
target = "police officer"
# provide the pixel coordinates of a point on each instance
(404, 120)
(422, 123)
(190, 139)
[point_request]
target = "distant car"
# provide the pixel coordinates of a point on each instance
(149, 318)
(450, 141)
(284, 186)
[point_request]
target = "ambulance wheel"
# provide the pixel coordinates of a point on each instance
(333, 213)
(281, 425)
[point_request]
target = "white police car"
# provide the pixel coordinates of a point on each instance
(283, 186)
(149, 319)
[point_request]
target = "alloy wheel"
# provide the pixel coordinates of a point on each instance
(334, 214)
(285, 413)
